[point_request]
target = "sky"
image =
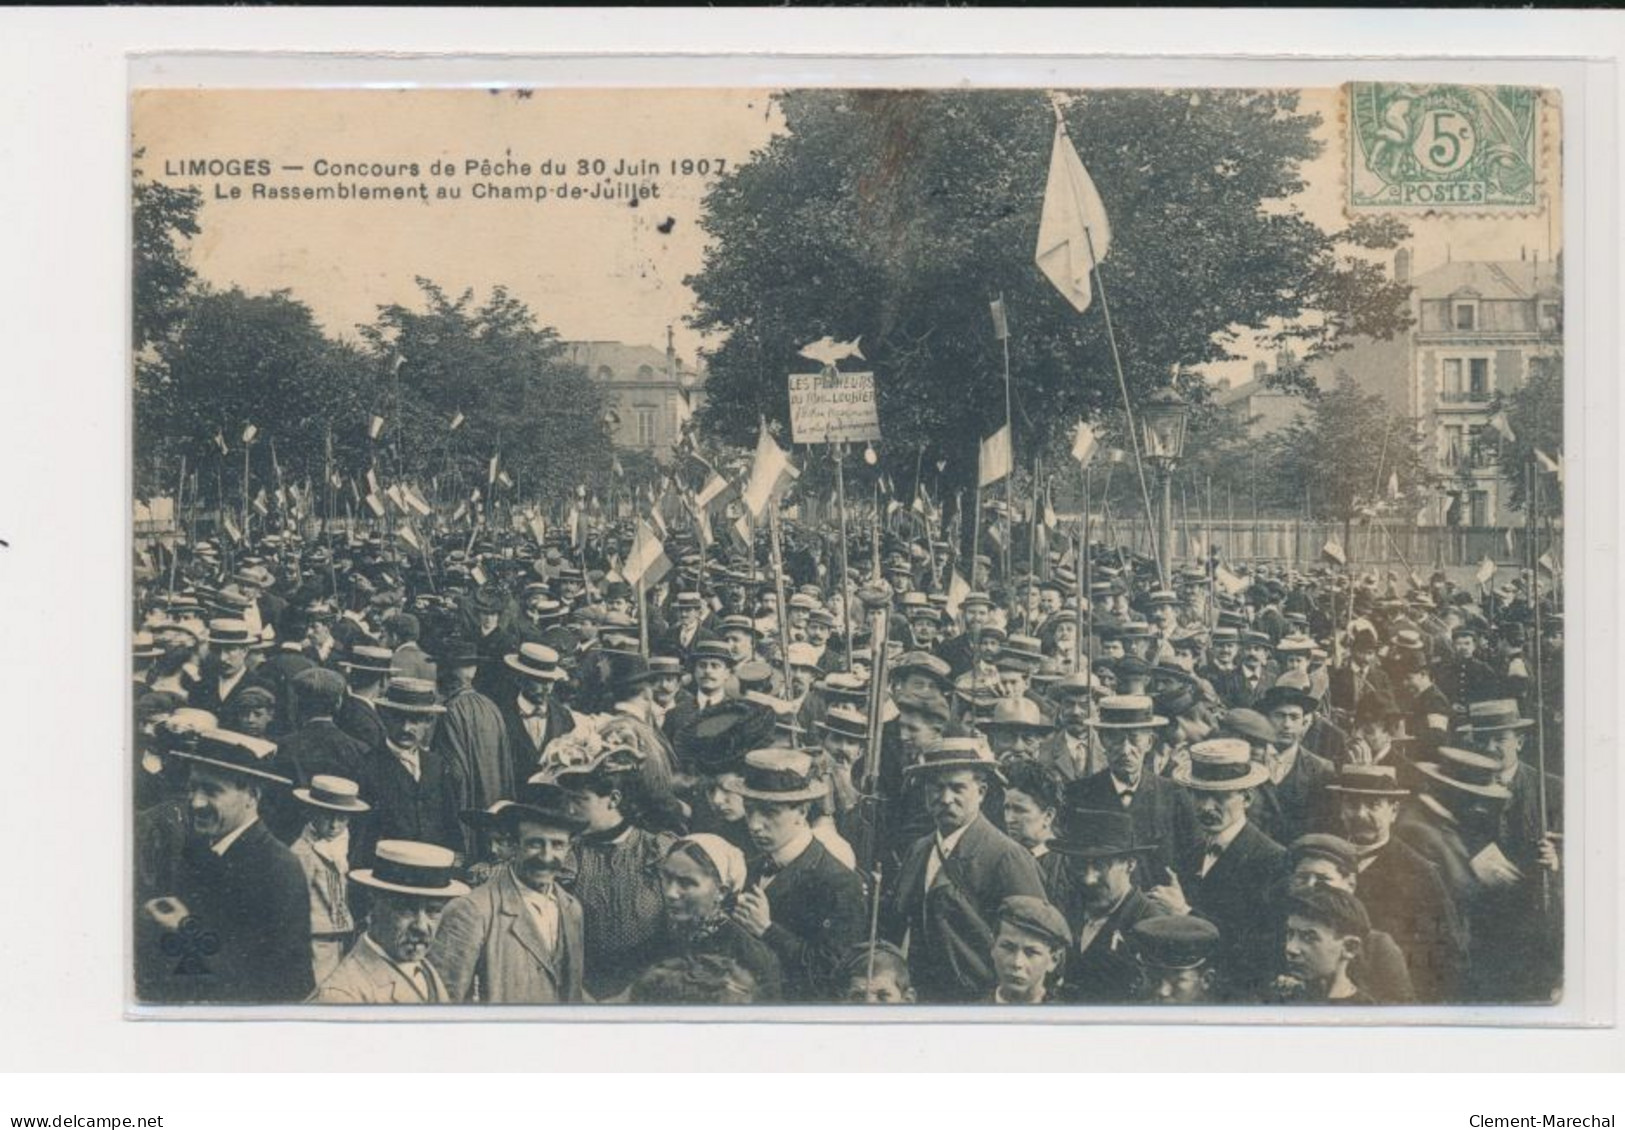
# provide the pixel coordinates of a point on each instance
(594, 269)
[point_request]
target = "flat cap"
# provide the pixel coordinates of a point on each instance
(1037, 917)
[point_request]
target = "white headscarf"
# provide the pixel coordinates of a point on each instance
(727, 859)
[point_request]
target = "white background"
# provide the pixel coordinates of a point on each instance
(64, 512)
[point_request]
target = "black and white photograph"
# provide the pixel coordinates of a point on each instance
(1073, 547)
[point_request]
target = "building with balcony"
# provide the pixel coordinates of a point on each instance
(1480, 330)
(652, 394)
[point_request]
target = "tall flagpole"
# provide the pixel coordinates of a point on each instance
(1009, 479)
(846, 568)
(1122, 385)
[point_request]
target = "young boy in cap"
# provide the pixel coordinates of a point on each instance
(1029, 950)
(408, 888)
(1174, 955)
(323, 851)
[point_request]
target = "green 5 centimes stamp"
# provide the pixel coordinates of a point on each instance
(1417, 147)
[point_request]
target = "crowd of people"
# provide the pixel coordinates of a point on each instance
(495, 771)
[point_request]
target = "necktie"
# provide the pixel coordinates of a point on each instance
(414, 972)
(1210, 857)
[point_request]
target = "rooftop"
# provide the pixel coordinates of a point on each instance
(1513, 279)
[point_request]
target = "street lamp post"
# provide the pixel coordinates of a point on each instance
(1163, 421)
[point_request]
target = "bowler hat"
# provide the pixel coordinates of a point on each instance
(1087, 833)
(1283, 694)
(336, 794)
(405, 867)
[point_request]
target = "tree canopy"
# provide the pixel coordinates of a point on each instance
(897, 216)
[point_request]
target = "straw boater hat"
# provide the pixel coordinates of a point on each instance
(535, 661)
(1127, 712)
(1493, 717)
(953, 754)
(1221, 765)
(1469, 772)
(1367, 780)
(230, 633)
(782, 776)
(404, 867)
(409, 696)
(228, 751)
(378, 660)
(335, 794)
(846, 721)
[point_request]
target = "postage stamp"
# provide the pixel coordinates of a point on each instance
(1420, 147)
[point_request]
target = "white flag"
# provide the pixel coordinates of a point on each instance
(994, 460)
(1084, 443)
(1486, 570)
(456, 421)
(249, 433)
(958, 590)
(375, 427)
(1072, 225)
(1333, 550)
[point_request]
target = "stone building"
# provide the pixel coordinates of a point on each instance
(652, 394)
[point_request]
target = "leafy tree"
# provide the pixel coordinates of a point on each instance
(509, 379)
(898, 216)
(1337, 461)
(1534, 413)
(239, 359)
(163, 219)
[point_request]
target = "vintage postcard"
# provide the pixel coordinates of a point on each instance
(1022, 547)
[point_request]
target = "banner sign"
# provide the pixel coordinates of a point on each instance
(831, 407)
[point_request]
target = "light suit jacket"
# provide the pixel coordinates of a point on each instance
(489, 949)
(366, 977)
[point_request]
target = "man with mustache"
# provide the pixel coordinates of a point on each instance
(517, 938)
(1101, 859)
(1403, 893)
(408, 888)
(1071, 752)
(946, 900)
(414, 790)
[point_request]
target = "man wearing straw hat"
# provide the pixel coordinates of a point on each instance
(408, 886)
(531, 713)
(234, 925)
(1224, 875)
(945, 903)
(1071, 752)
(1163, 816)
(414, 791)
(323, 851)
(800, 900)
